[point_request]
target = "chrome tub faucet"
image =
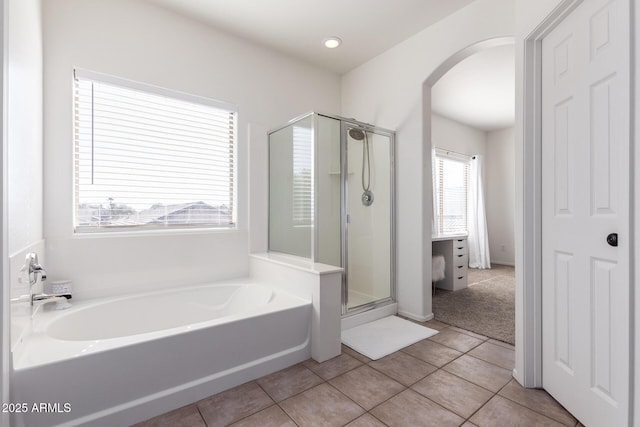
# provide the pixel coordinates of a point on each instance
(32, 269)
(31, 272)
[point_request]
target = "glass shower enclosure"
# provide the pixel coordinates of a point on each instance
(331, 200)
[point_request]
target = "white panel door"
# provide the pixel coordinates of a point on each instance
(585, 197)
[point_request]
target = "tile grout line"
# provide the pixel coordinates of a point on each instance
(526, 407)
(201, 416)
(376, 418)
(499, 343)
(488, 400)
(476, 335)
(469, 333)
(342, 373)
(324, 381)
(531, 409)
(434, 402)
(275, 403)
(490, 363)
(404, 388)
(467, 380)
(471, 349)
(351, 400)
(252, 414)
(464, 379)
(431, 373)
(362, 363)
(368, 364)
(485, 403)
(497, 393)
(452, 348)
(286, 413)
(442, 406)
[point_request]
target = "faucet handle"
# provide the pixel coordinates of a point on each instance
(31, 269)
(30, 259)
(26, 271)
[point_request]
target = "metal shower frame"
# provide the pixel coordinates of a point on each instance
(345, 125)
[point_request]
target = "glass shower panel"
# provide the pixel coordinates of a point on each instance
(328, 181)
(291, 205)
(331, 185)
(369, 216)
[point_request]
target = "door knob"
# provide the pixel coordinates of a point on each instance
(612, 239)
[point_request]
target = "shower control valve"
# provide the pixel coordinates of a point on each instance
(367, 198)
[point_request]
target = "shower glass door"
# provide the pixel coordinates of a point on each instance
(368, 209)
(331, 201)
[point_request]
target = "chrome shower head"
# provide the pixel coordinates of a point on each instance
(356, 134)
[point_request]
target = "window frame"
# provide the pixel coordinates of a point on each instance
(465, 160)
(80, 73)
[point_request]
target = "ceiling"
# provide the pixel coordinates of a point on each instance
(298, 27)
(479, 91)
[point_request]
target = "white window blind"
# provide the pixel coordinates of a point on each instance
(453, 184)
(302, 177)
(146, 157)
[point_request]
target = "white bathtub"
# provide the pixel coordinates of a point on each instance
(120, 360)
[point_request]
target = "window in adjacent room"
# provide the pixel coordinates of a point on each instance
(149, 158)
(452, 184)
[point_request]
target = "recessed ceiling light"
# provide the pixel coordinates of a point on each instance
(332, 42)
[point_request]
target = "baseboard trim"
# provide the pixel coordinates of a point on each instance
(352, 321)
(415, 317)
(507, 263)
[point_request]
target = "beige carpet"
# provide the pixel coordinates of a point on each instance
(486, 307)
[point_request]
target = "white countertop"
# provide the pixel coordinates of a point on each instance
(440, 237)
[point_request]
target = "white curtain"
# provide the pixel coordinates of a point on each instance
(436, 190)
(477, 222)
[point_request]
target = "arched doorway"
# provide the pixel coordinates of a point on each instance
(428, 131)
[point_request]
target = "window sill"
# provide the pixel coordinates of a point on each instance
(155, 232)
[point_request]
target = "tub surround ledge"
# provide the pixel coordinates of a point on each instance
(321, 283)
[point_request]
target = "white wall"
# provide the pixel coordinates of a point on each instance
(455, 136)
(139, 41)
(499, 174)
(22, 128)
(25, 123)
(636, 212)
(5, 314)
(387, 91)
(24, 136)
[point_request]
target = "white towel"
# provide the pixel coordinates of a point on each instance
(437, 268)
